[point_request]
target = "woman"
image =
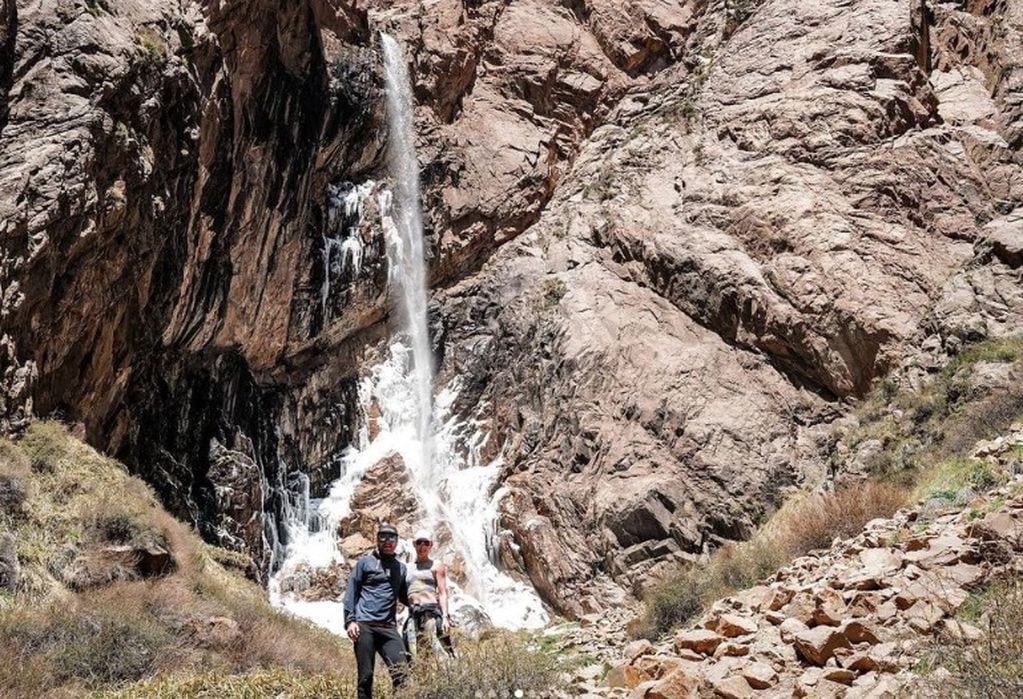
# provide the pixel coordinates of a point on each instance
(428, 593)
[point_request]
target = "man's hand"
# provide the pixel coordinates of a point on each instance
(353, 631)
(445, 625)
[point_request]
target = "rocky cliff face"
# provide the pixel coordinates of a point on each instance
(165, 194)
(667, 241)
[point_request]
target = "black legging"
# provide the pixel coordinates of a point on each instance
(386, 641)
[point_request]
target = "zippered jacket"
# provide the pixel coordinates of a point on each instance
(375, 586)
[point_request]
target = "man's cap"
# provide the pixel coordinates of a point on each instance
(423, 534)
(385, 528)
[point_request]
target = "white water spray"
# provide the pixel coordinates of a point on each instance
(403, 225)
(440, 452)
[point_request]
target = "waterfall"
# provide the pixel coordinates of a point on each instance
(440, 451)
(404, 225)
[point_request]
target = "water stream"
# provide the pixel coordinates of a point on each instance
(440, 451)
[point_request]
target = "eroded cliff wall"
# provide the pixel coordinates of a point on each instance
(667, 240)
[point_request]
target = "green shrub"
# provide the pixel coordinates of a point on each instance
(1001, 349)
(553, 290)
(150, 41)
(601, 187)
(949, 477)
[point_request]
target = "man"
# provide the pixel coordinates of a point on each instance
(375, 587)
(428, 593)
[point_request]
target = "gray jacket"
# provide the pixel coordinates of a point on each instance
(375, 586)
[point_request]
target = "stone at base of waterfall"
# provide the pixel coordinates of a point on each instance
(383, 495)
(470, 619)
(325, 584)
(355, 545)
(373, 419)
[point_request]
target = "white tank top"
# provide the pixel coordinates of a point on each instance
(420, 578)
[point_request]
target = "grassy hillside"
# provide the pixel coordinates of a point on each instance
(104, 594)
(112, 589)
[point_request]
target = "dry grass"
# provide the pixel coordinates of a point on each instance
(270, 682)
(801, 526)
(815, 522)
(15, 475)
(494, 667)
(994, 667)
(62, 638)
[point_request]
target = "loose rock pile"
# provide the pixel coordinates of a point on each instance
(852, 621)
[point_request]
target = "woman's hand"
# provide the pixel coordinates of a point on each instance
(353, 631)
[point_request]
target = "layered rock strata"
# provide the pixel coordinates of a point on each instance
(752, 237)
(668, 240)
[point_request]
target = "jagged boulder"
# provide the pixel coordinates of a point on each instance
(818, 645)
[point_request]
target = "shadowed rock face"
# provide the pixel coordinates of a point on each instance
(667, 239)
(164, 184)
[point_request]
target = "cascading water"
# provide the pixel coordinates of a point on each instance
(403, 227)
(440, 452)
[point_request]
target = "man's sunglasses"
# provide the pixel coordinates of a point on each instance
(387, 537)
(422, 542)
